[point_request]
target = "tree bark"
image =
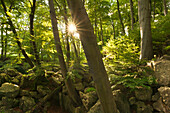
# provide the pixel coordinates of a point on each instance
(165, 8)
(154, 2)
(6, 41)
(68, 82)
(16, 36)
(36, 54)
(2, 42)
(114, 36)
(145, 30)
(132, 15)
(120, 18)
(93, 55)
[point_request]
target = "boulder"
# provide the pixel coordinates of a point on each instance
(97, 108)
(26, 103)
(165, 94)
(43, 90)
(10, 102)
(162, 69)
(4, 78)
(156, 96)
(142, 108)
(9, 90)
(143, 94)
(122, 102)
(159, 105)
(89, 99)
(12, 72)
(79, 86)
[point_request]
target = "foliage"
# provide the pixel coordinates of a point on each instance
(119, 53)
(90, 89)
(161, 35)
(121, 58)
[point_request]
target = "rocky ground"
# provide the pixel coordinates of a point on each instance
(18, 95)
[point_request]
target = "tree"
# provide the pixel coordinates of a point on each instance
(165, 8)
(120, 18)
(68, 82)
(131, 12)
(16, 36)
(32, 32)
(93, 55)
(145, 29)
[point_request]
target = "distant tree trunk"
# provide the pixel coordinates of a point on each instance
(114, 36)
(165, 8)
(145, 29)
(154, 2)
(2, 42)
(131, 12)
(67, 37)
(16, 36)
(120, 18)
(93, 55)
(68, 82)
(6, 41)
(101, 31)
(36, 54)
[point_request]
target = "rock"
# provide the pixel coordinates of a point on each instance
(10, 102)
(15, 81)
(79, 86)
(4, 78)
(97, 108)
(121, 102)
(132, 100)
(43, 90)
(143, 94)
(165, 94)
(89, 99)
(26, 103)
(12, 72)
(156, 96)
(67, 104)
(142, 108)
(159, 105)
(162, 69)
(9, 90)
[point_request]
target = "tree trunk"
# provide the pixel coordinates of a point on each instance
(145, 30)
(6, 41)
(131, 12)
(93, 55)
(120, 18)
(67, 37)
(165, 8)
(2, 42)
(68, 82)
(154, 2)
(101, 31)
(16, 36)
(114, 36)
(36, 54)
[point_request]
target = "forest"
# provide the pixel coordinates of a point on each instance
(84, 56)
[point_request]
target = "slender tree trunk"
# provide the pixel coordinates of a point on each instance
(154, 2)
(114, 36)
(36, 54)
(6, 41)
(2, 42)
(101, 31)
(16, 36)
(93, 55)
(68, 82)
(120, 18)
(131, 12)
(145, 30)
(67, 37)
(165, 8)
